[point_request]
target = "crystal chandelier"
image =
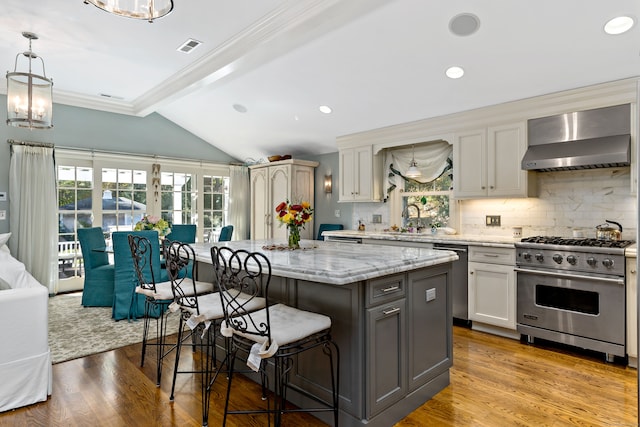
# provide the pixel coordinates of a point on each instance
(136, 9)
(29, 96)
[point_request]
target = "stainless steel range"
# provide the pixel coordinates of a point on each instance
(573, 291)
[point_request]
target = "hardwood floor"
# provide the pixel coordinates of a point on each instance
(494, 382)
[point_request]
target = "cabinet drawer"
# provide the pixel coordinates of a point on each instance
(385, 289)
(491, 255)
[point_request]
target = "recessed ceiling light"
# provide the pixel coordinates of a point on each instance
(240, 108)
(454, 72)
(325, 109)
(464, 24)
(619, 25)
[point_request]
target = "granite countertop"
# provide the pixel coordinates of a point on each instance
(334, 262)
(427, 237)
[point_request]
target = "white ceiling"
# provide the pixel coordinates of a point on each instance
(375, 62)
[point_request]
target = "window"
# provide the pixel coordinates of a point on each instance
(177, 194)
(75, 187)
(426, 205)
(216, 203)
(423, 201)
(124, 198)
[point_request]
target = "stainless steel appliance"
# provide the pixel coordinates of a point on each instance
(573, 291)
(588, 139)
(459, 276)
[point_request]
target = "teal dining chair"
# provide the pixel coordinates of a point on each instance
(184, 233)
(225, 233)
(98, 272)
(328, 227)
(127, 304)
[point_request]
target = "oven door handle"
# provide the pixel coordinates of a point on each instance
(571, 276)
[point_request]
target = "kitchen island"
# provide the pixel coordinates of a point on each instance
(391, 319)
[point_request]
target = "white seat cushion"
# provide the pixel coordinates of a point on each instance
(288, 324)
(210, 305)
(164, 291)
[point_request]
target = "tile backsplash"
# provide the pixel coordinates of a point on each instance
(567, 201)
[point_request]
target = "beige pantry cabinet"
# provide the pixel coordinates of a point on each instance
(275, 182)
(492, 286)
(487, 163)
(360, 172)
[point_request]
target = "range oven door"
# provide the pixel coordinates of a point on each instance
(575, 309)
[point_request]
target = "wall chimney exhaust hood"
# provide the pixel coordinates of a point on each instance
(599, 138)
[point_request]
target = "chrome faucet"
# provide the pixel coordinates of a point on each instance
(405, 214)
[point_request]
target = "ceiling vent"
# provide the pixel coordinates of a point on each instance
(189, 46)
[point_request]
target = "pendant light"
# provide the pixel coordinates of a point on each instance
(29, 96)
(413, 171)
(136, 9)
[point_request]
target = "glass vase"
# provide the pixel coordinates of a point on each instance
(294, 236)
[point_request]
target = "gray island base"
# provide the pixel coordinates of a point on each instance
(391, 318)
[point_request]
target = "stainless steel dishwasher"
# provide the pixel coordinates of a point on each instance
(459, 280)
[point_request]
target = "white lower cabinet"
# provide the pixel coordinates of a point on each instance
(632, 311)
(492, 286)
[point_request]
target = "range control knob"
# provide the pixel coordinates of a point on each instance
(571, 259)
(526, 256)
(539, 257)
(592, 261)
(607, 262)
(557, 258)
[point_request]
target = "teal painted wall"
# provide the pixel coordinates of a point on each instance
(91, 129)
(326, 204)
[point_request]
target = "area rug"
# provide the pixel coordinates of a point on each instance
(76, 331)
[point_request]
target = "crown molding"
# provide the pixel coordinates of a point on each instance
(600, 95)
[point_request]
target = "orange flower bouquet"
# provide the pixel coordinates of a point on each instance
(294, 216)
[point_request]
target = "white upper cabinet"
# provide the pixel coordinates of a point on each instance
(487, 163)
(359, 175)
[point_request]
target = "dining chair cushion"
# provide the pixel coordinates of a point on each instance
(288, 324)
(164, 291)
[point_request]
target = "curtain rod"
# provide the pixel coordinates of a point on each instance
(30, 143)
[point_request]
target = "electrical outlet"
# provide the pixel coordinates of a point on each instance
(3, 215)
(337, 213)
(493, 220)
(376, 219)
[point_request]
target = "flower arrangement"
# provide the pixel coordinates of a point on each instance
(294, 216)
(150, 222)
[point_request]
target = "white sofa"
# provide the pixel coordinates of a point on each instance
(25, 359)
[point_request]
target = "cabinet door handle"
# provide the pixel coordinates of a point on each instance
(390, 288)
(471, 272)
(491, 187)
(393, 310)
(633, 271)
(491, 255)
(483, 187)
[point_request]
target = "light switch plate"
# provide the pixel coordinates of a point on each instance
(493, 220)
(3, 215)
(3, 196)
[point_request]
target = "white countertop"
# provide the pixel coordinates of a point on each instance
(334, 262)
(427, 237)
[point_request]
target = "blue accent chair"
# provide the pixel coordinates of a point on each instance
(328, 227)
(226, 233)
(127, 304)
(184, 233)
(98, 273)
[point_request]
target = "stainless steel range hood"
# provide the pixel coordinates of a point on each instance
(589, 139)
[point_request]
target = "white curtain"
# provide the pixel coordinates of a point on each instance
(239, 202)
(32, 211)
(433, 159)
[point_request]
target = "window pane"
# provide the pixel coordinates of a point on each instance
(84, 200)
(85, 178)
(67, 199)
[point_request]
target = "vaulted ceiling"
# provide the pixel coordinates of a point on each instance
(254, 85)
